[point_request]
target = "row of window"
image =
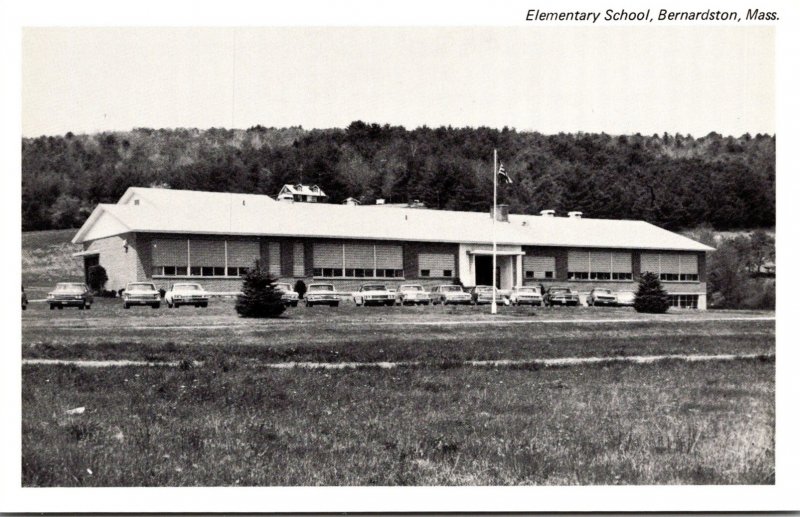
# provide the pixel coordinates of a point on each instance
(683, 277)
(683, 301)
(598, 275)
(427, 272)
(199, 271)
(539, 274)
(330, 272)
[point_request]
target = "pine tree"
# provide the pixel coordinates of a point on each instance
(651, 297)
(259, 298)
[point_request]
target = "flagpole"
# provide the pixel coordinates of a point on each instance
(494, 239)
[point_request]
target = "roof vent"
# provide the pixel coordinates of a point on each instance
(502, 213)
(136, 202)
(575, 215)
(548, 213)
(380, 201)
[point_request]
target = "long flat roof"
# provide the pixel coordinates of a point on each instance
(155, 210)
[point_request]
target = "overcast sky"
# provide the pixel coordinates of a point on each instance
(592, 79)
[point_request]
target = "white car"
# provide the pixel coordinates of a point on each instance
(186, 294)
(526, 294)
(413, 294)
(600, 296)
(288, 295)
(373, 294)
(141, 293)
(321, 294)
(625, 298)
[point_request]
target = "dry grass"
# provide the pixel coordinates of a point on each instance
(227, 424)
(47, 258)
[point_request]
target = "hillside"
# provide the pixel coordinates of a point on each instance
(674, 181)
(47, 258)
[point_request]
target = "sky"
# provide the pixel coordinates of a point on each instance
(617, 80)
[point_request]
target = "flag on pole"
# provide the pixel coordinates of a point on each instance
(503, 176)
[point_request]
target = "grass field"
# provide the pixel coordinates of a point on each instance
(231, 421)
(47, 258)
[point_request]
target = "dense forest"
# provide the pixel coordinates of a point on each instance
(674, 181)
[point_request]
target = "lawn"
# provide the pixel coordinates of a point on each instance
(232, 424)
(231, 421)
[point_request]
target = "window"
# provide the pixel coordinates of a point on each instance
(683, 301)
(436, 265)
(357, 261)
(671, 267)
(538, 267)
(599, 265)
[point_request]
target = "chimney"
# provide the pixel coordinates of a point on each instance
(502, 213)
(548, 213)
(380, 201)
(575, 215)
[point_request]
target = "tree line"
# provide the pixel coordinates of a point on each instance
(672, 180)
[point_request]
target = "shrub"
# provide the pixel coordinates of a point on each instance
(300, 288)
(650, 296)
(97, 278)
(259, 298)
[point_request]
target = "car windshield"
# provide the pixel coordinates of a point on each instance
(374, 287)
(320, 288)
(450, 289)
(603, 291)
(411, 288)
(559, 290)
(69, 288)
(141, 287)
(528, 290)
(283, 287)
(484, 289)
(186, 287)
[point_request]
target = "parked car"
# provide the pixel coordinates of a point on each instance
(600, 296)
(373, 294)
(561, 296)
(186, 294)
(321, 294)
(482, 294)
(449, 293)
(70, 294)
(141, 293)
(625, 298)
(526, 294)
(289, 295)
(413, 294)
(24, 299)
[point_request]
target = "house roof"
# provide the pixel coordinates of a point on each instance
(176, 211)
(304, 190)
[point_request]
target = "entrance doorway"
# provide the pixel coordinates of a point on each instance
(483, 270)
(89, 261)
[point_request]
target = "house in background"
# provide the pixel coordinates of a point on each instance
(172, 235)
(302, 194)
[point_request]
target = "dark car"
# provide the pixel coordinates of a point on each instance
(561, 296)
(70, 294)
(24, 299)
